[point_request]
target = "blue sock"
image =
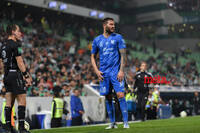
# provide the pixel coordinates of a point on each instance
(124, 109)
(111, 110)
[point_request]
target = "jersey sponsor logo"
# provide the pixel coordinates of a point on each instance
(156, 80)
(104, 49)
(101, 44)
(107, 51)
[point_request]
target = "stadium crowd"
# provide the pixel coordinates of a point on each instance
(53, 60)
(169, 67)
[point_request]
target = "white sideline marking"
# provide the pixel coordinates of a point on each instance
(93, 125)
(104, 124)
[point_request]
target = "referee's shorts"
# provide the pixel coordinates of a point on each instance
(14, 83)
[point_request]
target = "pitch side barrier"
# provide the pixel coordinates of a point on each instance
(94, 109)
(178, 89)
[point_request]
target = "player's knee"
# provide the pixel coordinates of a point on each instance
(8, 103)
(109, 97)
(120, 95)
(21, 100)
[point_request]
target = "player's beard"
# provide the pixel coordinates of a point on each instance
(18, 37)
(108, 30)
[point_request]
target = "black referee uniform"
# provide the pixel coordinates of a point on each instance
(142, 91)
(13, 79)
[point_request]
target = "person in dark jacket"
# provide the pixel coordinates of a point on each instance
(142, 88)
(76, 108)
(196, 103)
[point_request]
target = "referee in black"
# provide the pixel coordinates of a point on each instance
(142, 89)
(16, 76)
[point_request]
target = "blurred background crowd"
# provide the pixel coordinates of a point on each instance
(164, 33)
(57, 52)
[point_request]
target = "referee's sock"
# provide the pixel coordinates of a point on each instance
(8, 117)
(111, 110)
(124, 109)
(21, 115)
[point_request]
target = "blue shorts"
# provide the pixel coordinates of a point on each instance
(111, 82)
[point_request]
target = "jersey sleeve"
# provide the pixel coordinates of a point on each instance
(17, 50)
(94, 47)
(121, 43)
(0, 54)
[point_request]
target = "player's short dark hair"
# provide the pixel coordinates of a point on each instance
(56, 91)
(76, 90)
(105, 20)
(10, 28)
(3, 93)
(143, 62)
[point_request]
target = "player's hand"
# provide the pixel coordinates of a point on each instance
(81, 112)
(99, 74)
(120, 76)
(28, 81)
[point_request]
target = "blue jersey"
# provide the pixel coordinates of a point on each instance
(109, 55)
(76, 106)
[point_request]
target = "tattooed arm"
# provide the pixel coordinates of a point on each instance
(120, 75)
(123, 59)
(1, 66)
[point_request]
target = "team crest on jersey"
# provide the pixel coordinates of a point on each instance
(112, 41)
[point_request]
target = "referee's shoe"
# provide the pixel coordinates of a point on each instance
(10, 131)
(7, 131)
(23, 131)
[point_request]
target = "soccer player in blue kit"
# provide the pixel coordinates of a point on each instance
(111, 48)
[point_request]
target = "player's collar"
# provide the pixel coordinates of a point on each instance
(109, 35)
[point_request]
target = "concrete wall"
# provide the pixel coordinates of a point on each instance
(94, 106)
(173, 44)
(141, 3)
(169, 16)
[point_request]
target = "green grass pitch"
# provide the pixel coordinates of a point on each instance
(176, 125)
